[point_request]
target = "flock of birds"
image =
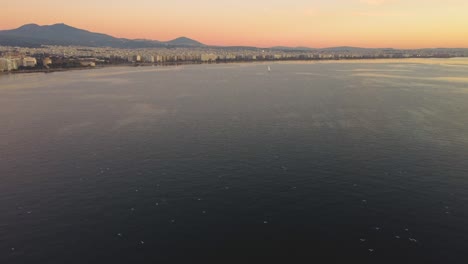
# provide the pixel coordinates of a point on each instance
(363, 240)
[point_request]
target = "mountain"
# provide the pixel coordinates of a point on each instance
(62, 34)
(184, 41)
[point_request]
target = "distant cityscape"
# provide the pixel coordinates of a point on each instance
(65, 57)
(61, 47)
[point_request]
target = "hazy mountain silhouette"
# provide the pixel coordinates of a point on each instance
(184, 41)
(62, 34)
(33, 35)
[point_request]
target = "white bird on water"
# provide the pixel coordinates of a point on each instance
(269, 69)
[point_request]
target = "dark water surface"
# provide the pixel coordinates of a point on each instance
(356, 162)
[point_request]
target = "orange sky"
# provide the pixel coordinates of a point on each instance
(312, 23)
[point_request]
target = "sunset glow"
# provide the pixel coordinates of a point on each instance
(311, 23)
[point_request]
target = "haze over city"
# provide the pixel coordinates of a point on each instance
(316, 23)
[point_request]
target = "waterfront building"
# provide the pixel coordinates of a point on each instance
(209, 57)
(7, 64)
(29, 62)
(46, 61)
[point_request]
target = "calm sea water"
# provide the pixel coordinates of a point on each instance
(346, 162)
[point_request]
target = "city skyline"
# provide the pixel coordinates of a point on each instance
(316, 24)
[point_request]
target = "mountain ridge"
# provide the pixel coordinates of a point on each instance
(62, 34)
(34, 35)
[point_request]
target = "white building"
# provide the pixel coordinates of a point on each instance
(208, 57)
(148, 58)
(9, 64)
(87, 63)
(29, 62)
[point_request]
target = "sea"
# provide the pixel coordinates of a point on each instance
(310, 162)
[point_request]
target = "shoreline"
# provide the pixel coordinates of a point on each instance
(46, 71)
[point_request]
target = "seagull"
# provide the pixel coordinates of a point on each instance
(371, 250)
(377, 228)
(119, 234)
(265, 222)
(364, 201)
(142, 242)
(204, 212)
(362, 240)
(12, 249)
(397, 237)
(413, 240)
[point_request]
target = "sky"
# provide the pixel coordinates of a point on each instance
(261, 23)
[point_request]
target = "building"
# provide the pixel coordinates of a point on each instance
(148, 58)
(29, 62)
(208, 57)
(86, 63)
(46, 61)
(7, 64)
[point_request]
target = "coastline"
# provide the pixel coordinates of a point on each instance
(102, 66)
